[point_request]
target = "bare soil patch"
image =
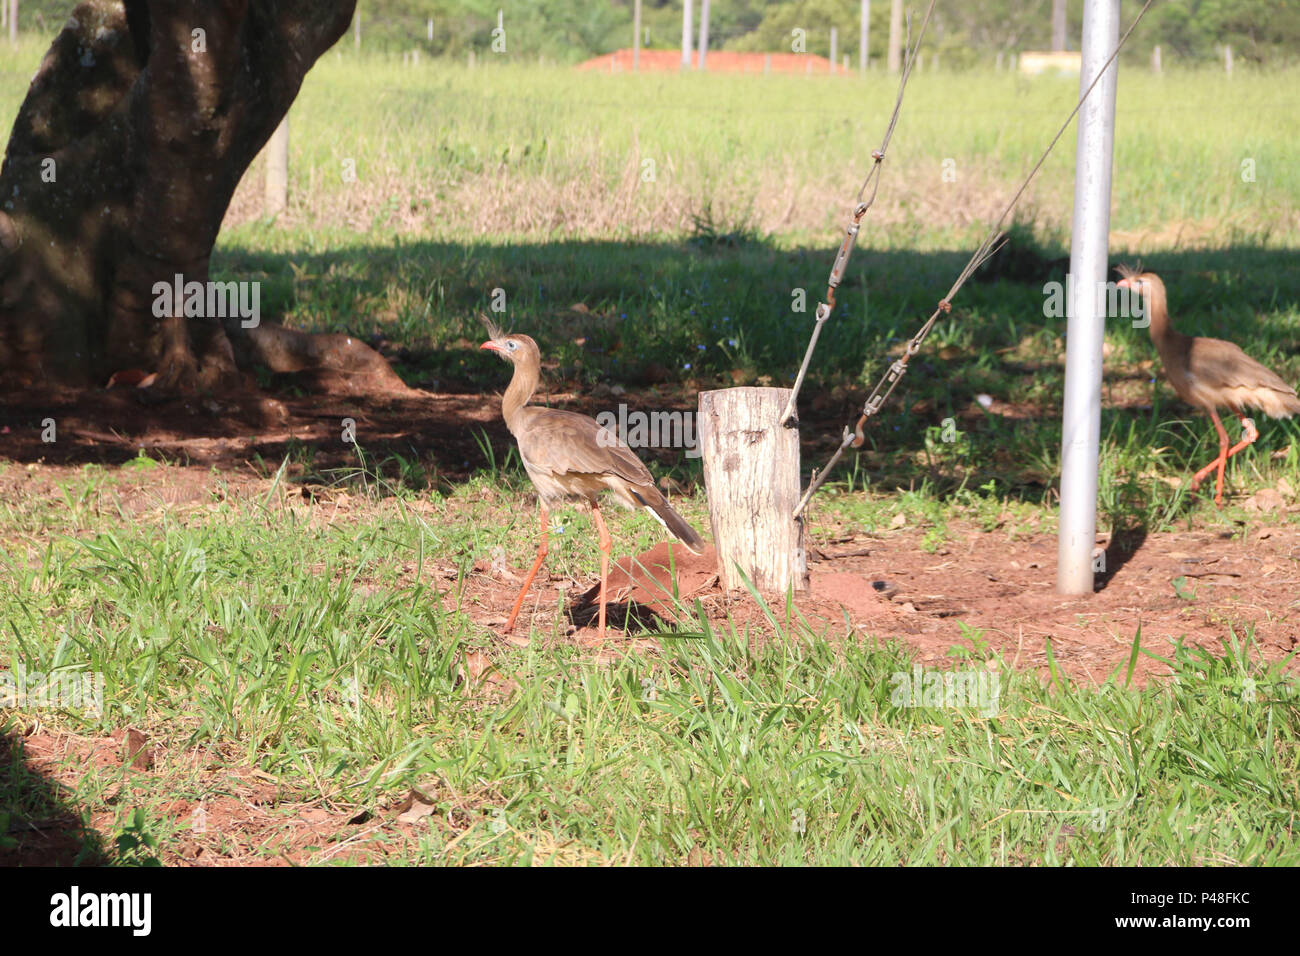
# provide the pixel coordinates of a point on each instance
(1197, 587)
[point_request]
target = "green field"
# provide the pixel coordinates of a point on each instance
(257, 639)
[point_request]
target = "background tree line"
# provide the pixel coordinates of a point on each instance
(964, 32)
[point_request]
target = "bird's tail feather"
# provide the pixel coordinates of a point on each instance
(657, 505)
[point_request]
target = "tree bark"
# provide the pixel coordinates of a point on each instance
(1058, 25)
(751, 474)
(137, 127)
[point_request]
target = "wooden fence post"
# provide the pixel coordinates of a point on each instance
(751, 474)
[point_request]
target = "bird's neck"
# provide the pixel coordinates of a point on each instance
(1161, 329)
(522, 386)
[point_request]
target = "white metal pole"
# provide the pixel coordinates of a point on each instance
(686, 35)
(1085, 332)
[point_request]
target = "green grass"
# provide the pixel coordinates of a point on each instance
(326, 653)
(319, 654)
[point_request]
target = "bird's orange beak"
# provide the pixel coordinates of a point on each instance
(490, 344)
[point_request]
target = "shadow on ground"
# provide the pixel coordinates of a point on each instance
(652, 324)
(44, 827)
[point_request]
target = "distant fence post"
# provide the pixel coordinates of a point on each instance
(704, 32)
(356, 30)
(835, 42)
(276, 197)
(864, 32)
(430, 30)
(13, 21)
(1227, 54)
(686, 35)
(636, 36)
(1155, 59)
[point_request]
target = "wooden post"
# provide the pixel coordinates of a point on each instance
(751, 475)
(1155, 59)
(704, 34)
(13, 21)
(1227, 54)
(864, 31)
(356, 22)
(835, 37)
(276, 198)
(636, 36)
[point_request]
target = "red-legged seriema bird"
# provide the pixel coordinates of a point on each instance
(1211, 374)
(571, 457)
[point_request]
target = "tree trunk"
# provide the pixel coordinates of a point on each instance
(895, 53)
(1058, 25)
(137, 127)
(751, 474)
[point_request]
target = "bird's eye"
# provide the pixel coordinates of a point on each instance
(512, 345)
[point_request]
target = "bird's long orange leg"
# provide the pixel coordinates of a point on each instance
(541, 556)
(605, 546)
(1249, 433)
(1218, 464)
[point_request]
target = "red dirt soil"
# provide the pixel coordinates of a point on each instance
(1197, 587)
(718, 61)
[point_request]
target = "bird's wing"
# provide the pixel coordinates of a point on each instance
(560, 442)
(1221, 364)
